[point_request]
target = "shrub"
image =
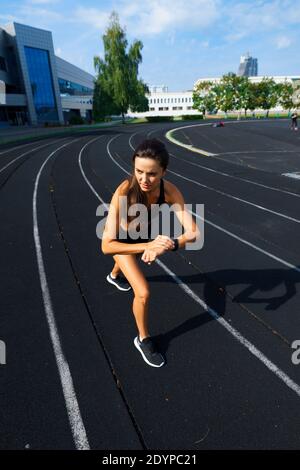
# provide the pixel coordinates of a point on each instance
(190, 117)
(74, 120)
(159, 118)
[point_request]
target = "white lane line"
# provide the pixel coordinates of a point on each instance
(108, 151)
(255, 247)
(295, 175)
(235, 333)
(231, 176)
(258, 151)
(279, 214)
(131, 137)
(190, 147)
(82, 171)
(26, 153)
(238, 336)
(17, 147)
(262, 208)
(75, 419)
(235, 177)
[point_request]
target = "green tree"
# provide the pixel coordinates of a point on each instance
(288, 95)
(267, 94)
(203, 97)
(225, 96)
(117, 86)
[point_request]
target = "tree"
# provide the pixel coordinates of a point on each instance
(117, 86)
(267, 94)
(288, 95)
(225, 94)
(203, 97)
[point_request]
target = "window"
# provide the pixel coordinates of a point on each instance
(41, 81)
(3, 64)
(72, 88)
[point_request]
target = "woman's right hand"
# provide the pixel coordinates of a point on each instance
(161, 244)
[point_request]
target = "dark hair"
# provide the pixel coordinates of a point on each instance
(149, 148)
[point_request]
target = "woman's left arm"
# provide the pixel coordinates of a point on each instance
(191, 231)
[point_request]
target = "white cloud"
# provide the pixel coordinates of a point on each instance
(235, 37)
(158, 16)
(35, 15)
(58, 51)
(261, 16)
(153, 16)
(91, 16)
(282, 42)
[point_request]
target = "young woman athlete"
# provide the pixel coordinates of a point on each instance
(145, 186)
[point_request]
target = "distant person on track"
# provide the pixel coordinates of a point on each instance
(145, 186)
(218, 124)
(294, 118)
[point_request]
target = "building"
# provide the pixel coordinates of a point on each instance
(38, 87)
(248, 66)
(168, 103)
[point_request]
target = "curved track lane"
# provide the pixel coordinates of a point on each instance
(225, 316)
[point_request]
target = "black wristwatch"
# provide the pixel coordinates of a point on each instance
(175, 240)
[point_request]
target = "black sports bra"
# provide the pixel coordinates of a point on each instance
(161, 200)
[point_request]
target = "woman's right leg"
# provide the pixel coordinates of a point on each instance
(131, 270)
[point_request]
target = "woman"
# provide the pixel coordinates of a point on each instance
(145, 186)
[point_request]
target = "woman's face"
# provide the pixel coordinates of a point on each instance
(148, 173)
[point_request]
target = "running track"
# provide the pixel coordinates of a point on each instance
(225, 316)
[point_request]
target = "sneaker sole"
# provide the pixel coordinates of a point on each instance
(143, 355)
(111, 281)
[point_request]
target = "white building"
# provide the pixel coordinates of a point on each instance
(168, 103)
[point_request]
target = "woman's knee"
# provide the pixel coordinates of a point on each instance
(142, 294)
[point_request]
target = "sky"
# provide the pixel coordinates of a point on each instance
(183, 39)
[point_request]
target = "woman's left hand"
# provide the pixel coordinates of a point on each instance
(149, 256)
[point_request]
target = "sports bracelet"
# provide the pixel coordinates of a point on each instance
(175, 240)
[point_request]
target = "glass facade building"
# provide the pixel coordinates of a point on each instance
(41, 81)
(40, 88)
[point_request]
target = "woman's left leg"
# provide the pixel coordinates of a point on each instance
(116, 270)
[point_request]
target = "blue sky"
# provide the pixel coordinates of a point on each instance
(183, 39)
